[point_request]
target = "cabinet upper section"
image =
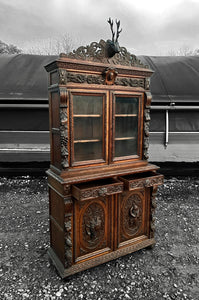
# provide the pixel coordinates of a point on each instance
(89, 65)
(99, 108)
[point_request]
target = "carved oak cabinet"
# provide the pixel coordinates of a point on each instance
(101, 186)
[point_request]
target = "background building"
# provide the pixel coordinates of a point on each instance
(24, 133)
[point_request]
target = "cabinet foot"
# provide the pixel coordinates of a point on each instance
(150, 247)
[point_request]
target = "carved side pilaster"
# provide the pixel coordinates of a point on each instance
(64, 127)
(147, 119)
(67, 189)
(147, 84)
(68, 233)
(152, 213)
(62, 73)
(148, 99)
(146, 133)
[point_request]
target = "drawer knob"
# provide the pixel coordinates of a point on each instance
(102, 191)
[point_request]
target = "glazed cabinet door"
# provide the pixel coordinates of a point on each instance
(88, 127)
(126, 118)
(93, 234)
(133, 216)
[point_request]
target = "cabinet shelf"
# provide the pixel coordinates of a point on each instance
(87, 141)
(87, 116)
(126, 115)
(125, 138)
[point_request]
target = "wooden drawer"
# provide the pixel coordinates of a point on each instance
(141, 180)
(98, 188)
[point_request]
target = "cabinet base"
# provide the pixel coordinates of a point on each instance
(65, 272)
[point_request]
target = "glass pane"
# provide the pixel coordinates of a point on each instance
(88, 151)
(125, 147)
(126, 105)
(126, 126)
(86, 105)
(88, 127)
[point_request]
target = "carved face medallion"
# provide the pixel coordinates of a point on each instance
(110, 75)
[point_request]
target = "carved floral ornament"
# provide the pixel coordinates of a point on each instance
(109, 77)
(97, 52)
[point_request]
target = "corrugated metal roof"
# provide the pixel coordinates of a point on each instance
(175, 78)
(23, 76)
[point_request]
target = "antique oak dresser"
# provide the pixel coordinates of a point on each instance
(101, 187)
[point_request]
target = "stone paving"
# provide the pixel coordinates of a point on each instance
(168, 271)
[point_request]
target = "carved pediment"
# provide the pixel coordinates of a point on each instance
(97, 52)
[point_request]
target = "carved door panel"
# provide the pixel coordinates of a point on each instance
(93, 228)
(133, 216)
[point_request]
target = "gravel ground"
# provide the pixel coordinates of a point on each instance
(168, 271)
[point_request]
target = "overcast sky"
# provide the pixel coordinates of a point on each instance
(150, 27)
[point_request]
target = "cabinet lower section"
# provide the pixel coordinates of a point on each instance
(65, 272)
(94, 222)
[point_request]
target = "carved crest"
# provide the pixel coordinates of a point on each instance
(97, 52)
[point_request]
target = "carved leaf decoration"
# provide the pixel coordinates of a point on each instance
(94, 52)
(97, 52)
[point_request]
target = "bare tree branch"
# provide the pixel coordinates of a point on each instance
(52, 46)
(8, 49)
(184, 51)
